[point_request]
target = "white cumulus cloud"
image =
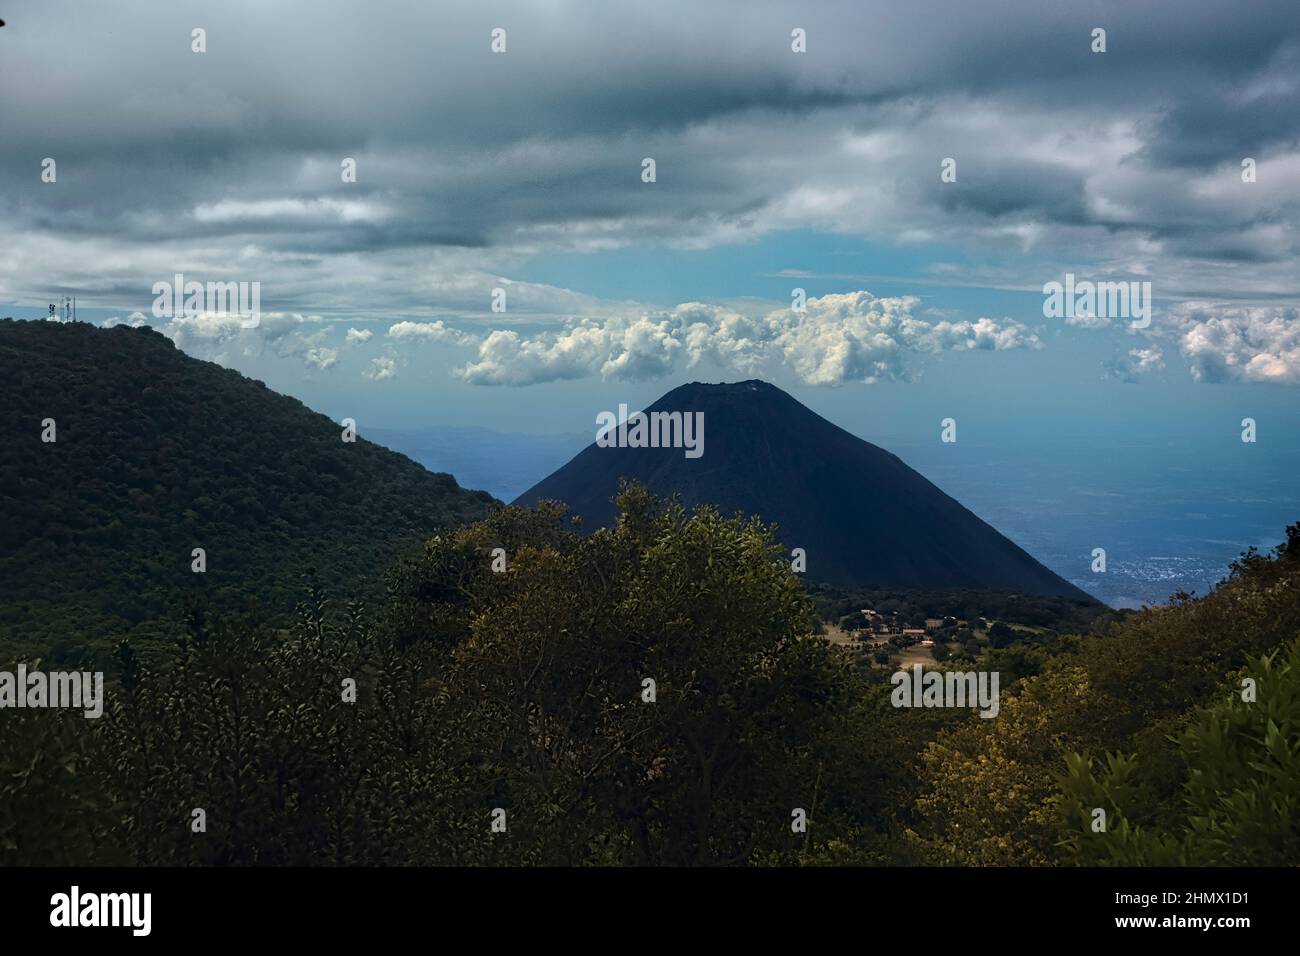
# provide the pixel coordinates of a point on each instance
(381, 368)
(848, 337)
(437, 331)
(321, 358)
(1240, 343)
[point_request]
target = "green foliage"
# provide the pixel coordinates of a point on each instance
(991, 790)
(55, 809)
(157, 454)
(520, 690)
(750, 716)
(1000, 635)
(1239, 804)
(986, 783)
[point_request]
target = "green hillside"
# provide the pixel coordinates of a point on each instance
(158, 453)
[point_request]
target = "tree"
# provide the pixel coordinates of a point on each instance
(746, 711)
(1000, 635)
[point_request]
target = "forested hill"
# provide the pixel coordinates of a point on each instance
(156, 454)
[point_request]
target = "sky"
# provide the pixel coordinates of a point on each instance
(921, 170)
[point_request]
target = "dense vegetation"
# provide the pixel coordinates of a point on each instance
(1147, 723)
(157, 454)
(524, 691)
(477, 690)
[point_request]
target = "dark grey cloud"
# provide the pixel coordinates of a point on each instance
(469, 162)
(1012, 187)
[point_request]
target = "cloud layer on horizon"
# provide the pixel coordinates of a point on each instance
(839, 339)
(851, 337)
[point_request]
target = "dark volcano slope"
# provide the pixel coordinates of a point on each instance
(862, 515)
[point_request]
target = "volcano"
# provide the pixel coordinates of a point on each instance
(863, 517)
